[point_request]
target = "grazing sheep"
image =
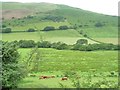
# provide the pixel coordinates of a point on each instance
(64, 78)
(45, 77)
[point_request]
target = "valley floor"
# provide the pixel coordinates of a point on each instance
(99, 68)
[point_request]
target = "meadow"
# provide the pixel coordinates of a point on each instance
(67, 36)
(97, 64)
(96, 69)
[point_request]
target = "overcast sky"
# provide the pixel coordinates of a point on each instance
(109, 7)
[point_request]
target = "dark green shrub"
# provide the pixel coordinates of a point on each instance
(31, 30)
(49, 28)
(63, 27)
(4, 26)
(82, 41)
(27, 43)
(98, 24)
(60, 46)
(12, 72)
(54, 18)
(44, 44)
(6, 30)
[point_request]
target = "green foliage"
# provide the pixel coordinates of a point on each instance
(31, 30)
(49, 28)
(60, 46)
(26, 43)
(12, 72)
(92, 47)
(44, 44)
(33, 60)
(63, 27)
(82, 41)
(6, 30)
(4, 26)
(98, 24)
(54, 18)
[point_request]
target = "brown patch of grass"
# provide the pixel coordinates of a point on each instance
(8, 14)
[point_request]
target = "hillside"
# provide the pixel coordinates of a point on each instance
(22, 16)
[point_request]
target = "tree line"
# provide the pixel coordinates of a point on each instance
(81, 45)
(47, 28)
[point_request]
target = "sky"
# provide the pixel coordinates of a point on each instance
(109, 7)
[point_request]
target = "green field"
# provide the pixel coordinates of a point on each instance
(95, 68)
(67, 36)
(56, 62)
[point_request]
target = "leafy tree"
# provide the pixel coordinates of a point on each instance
(82, 41)
(49, 28)
(63, 27)
(33, 60)
(4, 26)
(98, 24)
(6, 30)
(27, 43)
(12, 72)
(85, 35)
(44, 44)
(59, 46)
(31, 30)
(54, 18)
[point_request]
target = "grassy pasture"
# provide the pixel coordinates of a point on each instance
(66, 36)
(35, 82)
(39, 25)
(102, 32)
(76, 60)
(56, 62)
(108, 40)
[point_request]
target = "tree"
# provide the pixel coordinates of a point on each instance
(49, 28)
(82, 41)
(63, 27)
(31, 30)
(98, 24)
(4, 26)
(59, 46)
(33, 60)
(27, 43)
(12, 72)
(44, 44)
(6, 30)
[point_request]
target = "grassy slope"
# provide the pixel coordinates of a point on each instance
(73, 15)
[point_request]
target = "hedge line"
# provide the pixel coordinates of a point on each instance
(81, 45)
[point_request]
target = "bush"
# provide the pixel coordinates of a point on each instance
(26, 44)
(31, 30)
(98, 24)
(12, 72)
(60, 46)
(63, 27)
(4, 26)
(6, 30)
(44, 44)
(82, 41)
(54, 18)
(49, 28)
